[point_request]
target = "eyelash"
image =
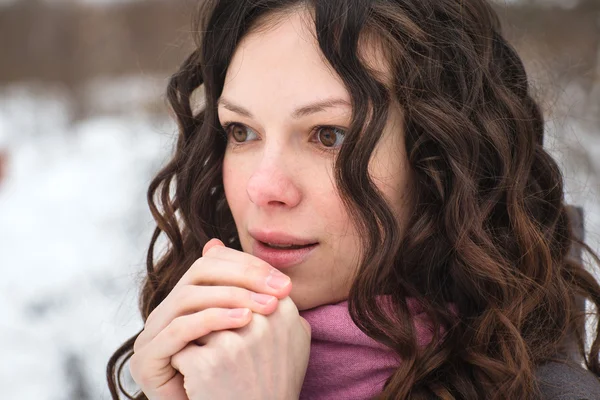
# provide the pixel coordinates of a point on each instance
(225, 126)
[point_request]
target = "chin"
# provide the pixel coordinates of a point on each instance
(306, 301)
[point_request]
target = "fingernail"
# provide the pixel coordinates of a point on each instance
(277, 280)
(238, 312)
(263, 299)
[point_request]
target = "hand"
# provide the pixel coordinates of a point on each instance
(221, 280)
(264, 360)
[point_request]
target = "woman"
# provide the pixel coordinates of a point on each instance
(395, 147)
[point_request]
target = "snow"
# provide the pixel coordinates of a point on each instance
(74, 224)
(74, 229)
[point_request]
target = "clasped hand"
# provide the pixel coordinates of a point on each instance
(192, 347)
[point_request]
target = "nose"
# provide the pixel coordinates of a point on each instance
(272, 185)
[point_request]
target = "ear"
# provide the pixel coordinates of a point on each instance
(212, 243)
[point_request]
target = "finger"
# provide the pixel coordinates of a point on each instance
(227, 253)
(191, 298)
(184, 359)
(258, 323)
(152, 364)
(162, 384)
(211, 243)
(236, 270)
(286, 308)
(188, 328)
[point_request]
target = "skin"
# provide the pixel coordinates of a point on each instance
(277, 177)
(191, 347)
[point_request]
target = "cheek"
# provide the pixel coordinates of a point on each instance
(234, 185)
(337, 222)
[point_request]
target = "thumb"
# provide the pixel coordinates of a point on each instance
(212, 243)
(306, 326)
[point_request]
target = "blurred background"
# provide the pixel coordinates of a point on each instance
(84, 126)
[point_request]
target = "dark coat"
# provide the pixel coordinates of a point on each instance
(567, 381)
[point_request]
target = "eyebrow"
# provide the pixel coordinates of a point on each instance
(300, 112)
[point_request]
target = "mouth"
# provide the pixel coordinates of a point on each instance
(282, 256)
(286, 247)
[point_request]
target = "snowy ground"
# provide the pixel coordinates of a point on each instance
(74, 226)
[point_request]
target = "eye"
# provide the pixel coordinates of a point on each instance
(237, 131)
(330, 136)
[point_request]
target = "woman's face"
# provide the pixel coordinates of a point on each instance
(278, 165)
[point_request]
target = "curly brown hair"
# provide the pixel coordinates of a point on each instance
(490, 231)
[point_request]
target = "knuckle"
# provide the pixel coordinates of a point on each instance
(288, 307)
(214, 251)
(182, 294)
(152, 316)
(149, 319)
(231, 341)
(255, 267)
(196, 273)
(211, 363)
(248, 270)
(260, 323)
(260, 319)
(290, 303)
(197, 264)
(196, 267)
(137, 345)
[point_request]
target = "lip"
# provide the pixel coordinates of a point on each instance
(277, 237)
(281, 258)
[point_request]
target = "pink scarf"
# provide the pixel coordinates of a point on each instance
(345, 363)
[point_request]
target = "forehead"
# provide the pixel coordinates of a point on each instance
(285, 59)
(282, 54)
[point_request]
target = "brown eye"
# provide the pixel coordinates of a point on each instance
(330, 136)
(239, 132)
